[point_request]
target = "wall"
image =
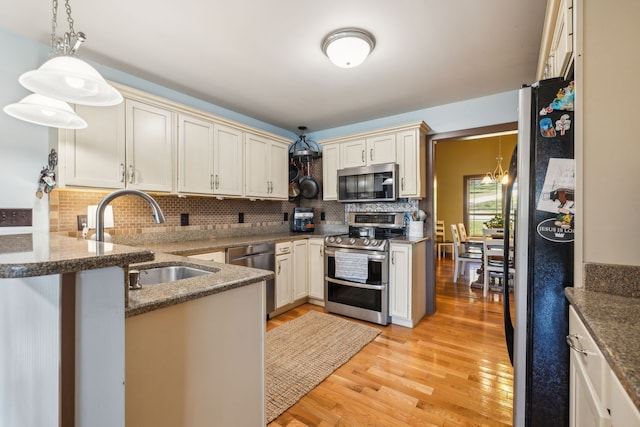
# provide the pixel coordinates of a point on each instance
(457, 158)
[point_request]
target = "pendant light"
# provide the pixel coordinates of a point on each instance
(66, 77)
(498, 175)
(42, 110)
(348, 47)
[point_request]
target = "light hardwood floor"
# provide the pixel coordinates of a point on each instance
(452, 369)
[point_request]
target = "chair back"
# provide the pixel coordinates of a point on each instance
(456, 239)
(462, 232)
(440, 236)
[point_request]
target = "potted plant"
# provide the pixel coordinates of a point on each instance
(495, 222)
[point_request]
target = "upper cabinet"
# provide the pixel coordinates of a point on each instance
(155, 145)
(266, 168)
(556, 55)
(368, 151)
(404, 145)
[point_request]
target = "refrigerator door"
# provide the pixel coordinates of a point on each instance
(544, 254)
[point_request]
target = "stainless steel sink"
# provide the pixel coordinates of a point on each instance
(155, 275)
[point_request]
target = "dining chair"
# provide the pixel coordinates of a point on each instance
(493, 262)
(441, 240)
(469, 244)
(460, 257)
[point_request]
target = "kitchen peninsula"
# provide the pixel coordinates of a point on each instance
(63, 326)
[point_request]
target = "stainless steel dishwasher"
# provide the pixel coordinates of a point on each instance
(260, 256)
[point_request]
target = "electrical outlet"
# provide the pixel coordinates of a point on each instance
(15, 217)
(240, 218)
(82, 219)
(184, 219)
(286, 216)
(322, 216)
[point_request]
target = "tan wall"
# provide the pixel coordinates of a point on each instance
(457, 158)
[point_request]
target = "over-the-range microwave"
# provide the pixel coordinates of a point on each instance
(375, 183)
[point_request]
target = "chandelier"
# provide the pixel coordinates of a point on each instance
(498, 176)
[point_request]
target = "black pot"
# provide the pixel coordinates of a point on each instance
(309, 187)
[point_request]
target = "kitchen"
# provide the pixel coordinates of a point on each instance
(595, 243)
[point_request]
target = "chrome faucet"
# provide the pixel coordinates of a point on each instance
(157, 212)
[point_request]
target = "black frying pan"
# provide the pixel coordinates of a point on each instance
(309, 187)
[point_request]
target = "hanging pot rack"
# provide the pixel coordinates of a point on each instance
(304, 150)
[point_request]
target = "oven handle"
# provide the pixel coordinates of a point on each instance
(355, 284)
(373, 256)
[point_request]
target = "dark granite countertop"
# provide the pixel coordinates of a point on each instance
(224, 277)
(614, 323)
(41, 254)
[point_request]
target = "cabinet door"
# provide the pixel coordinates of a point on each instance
(400, 281)
(409, 164)
(624, 412)
(316, 269)
(353, 153)
(300, 269)
(283, 280)
(195, 155)
(228, 160)
(562, 41)
(95, 156)
(585, 408)
(279, 171)
(257, 166)
(150, 147)
(217, 256)
(330, 166)
(381, 149)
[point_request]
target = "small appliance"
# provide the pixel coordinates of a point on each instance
(375, 183)
(302, 220)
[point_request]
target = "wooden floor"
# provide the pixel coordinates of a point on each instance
(452, 369)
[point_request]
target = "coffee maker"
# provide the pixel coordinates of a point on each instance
(302, 220)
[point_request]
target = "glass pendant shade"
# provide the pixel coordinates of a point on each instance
(42, 110)
(348, 48)
(72, 80)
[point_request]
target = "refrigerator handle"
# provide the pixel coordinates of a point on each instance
(508, 325)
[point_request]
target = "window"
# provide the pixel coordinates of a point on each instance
(482, 202)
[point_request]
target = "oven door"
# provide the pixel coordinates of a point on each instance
(366, 301)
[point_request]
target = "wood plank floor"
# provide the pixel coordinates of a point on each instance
(452, 369)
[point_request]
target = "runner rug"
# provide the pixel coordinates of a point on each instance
(301, 353)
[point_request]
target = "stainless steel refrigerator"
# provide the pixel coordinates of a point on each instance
(540, 207)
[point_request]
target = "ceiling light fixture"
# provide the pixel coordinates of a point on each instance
(348, 47)
(499, 176)
(66, 77)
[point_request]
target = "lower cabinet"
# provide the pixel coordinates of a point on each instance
(199, 363)
(316, 270)
(596, 397)
(407, 283)
(283, 280)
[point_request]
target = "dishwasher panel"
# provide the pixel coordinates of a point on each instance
(260, 256)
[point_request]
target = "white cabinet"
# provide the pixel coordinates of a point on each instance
(624, 412)
(412, 163)
(228, 160)
(589, 377)
(372, 150)
(300, 286)
(407, 283)
(209, 157)
(283, 280)
(150, 145)
(216, 256)
(558, 50)
(94, 156)
(316, 270)
(330, 166)
(265, 168)
(404, 145)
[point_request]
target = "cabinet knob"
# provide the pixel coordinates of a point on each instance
(131, 174)
(371, 154)
(123, 171)
(363, 159)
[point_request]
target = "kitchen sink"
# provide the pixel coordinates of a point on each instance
(155, 275)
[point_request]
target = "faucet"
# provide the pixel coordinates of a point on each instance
(157, 212)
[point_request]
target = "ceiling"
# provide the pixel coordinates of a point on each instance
(263, 58)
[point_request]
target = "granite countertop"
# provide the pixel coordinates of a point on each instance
(41, 254)
(191, 247)
(613, 322)
(225, 277)
(409, 240)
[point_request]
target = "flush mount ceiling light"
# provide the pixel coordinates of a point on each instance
(42, 110)
(66, 77)
(348, 47)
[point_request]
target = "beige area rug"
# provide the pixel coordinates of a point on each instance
(303, 352)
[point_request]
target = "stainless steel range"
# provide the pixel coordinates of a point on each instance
(357, 266)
